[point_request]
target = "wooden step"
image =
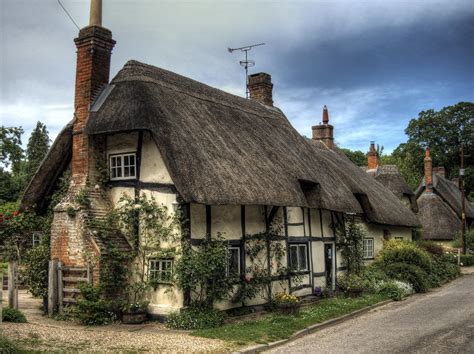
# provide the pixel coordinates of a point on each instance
(69, 300)
(75, 279)
(71, 290)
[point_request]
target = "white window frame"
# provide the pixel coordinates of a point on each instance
(227, 271)
(122, 166)
(156, 269)
(36, 238)
(368, 252)
(298, 246)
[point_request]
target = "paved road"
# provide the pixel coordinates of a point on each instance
(441, 321)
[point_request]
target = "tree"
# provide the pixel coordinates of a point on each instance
(443, 132)
(11, 154)
(357, 156)
(36, 150)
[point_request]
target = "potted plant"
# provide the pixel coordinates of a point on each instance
(134, 312)
(287, 304)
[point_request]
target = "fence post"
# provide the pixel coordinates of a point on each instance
(52, 287)
(60, 287)
(12, 284)
(89, 273)
(459, 256)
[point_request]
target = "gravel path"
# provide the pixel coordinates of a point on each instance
(42, 333)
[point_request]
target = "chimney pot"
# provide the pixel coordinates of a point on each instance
(95, 18)
(325, 115)
(261, 88)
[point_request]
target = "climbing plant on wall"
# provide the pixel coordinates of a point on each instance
(350, 237)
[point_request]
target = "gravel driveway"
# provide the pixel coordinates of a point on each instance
(42, 333)
(441, 321)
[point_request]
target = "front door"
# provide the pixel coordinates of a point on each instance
(328, 254)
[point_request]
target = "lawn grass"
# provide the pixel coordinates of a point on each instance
(273, 327)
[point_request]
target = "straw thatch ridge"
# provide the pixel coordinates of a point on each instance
(55, 162)
(439, 221)
(390, 177)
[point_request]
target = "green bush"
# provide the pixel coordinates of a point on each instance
(372, 276)
(91, 309)
(467, 260)
(410, 273)
(7, 346)
(445, 269)
(391, 290)
(457, 243)
(195, 318)
(399, 251)
(12, 315)
(349, 281)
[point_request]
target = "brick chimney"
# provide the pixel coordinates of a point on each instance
(428, 172)
(260, 88)
(324, 132)
(440, 171)
(372, 157)
(94, 48)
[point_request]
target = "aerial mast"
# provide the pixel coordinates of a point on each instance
(246, 63)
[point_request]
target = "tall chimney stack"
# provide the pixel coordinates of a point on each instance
(324, 132)
(372, 158)
(260, 88)
(94, 49)
(428, 171)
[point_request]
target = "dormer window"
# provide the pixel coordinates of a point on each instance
(123, 166)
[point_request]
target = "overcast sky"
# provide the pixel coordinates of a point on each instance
(376, 64)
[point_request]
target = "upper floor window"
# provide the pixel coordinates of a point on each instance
(368, 248)
(123, 166)
(299, 257)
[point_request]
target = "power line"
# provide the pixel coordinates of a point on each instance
(67, 13)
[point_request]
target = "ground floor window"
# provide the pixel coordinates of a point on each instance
(368, 248)
(160, 270)
(299, 257)
(233, 265)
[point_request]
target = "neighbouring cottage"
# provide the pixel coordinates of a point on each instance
(439, 202)
(233, 166)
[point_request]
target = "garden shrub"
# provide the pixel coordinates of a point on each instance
(91, 309)
(347, 282)
(12, 315)
(391, 290)
(410, 273)
(399, 251)
(372, 276)
(195, 318)
(445, 269)
(457, 243)
(467, 260)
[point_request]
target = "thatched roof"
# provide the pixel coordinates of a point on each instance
(223, 149)
(380, 205)
(449, 193)
(51, 168)
(439, 221)
(390, 177)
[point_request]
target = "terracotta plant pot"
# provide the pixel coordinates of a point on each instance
(134, 318)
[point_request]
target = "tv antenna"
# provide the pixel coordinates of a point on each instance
(246, 63)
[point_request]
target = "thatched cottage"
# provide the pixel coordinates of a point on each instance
(439, 202)
(233, 166)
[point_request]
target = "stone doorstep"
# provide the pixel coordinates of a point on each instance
(313, 328)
